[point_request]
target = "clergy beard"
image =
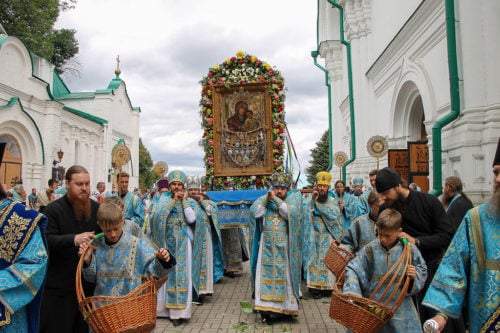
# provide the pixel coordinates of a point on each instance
(81, 208)
(322, 197)
(495, 199)
(445, 199)
(3, 194)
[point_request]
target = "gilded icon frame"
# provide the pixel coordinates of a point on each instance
(246, 149)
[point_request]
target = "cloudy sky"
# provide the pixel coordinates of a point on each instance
(166, 47)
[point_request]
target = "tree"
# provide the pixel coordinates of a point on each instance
(33, 22)
(320, 158)
(146, 176)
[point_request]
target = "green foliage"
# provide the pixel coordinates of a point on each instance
(146, 176)
(320, 158)
(33, 22)
(246, 306)
(241, 326)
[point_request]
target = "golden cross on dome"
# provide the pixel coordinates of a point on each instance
(117, 70)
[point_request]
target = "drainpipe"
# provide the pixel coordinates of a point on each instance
(349, 78)
(454, 98)
(314, 54)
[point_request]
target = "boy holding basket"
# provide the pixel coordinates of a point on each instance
(368, 268)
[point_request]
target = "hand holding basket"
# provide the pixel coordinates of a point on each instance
(368, 315)
(134, 312)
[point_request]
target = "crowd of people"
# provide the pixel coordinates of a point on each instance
(175, 233)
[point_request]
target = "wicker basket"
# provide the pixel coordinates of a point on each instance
(337, 258)
(367, 315)
(134, 312)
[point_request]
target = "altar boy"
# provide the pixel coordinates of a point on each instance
(121, 261)
(365, 271)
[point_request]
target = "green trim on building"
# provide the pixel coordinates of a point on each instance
(10, 104)
(115, 83)
(80, 95)
(86, 115)
(59, 88)
(3, 38)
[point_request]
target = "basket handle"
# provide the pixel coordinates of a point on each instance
(400, 266)
(400, 282)
(80, 294)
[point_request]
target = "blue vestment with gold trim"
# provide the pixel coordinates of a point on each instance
(207, 231)
(169, 229)
(360, 233)
(365, 271)
(327, 226)
(282, 238)
(470, 271)
(23, 264)
(119, 268)
(133, 209)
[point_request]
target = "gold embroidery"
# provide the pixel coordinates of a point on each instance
(13, 234)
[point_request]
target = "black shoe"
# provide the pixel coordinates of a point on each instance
(230, 274)
(200, 300)
(266, 318)
(176, 322)
(315, 293)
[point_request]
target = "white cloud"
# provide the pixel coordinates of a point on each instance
(166, 47)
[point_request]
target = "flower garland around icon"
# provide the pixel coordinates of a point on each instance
(241, 69)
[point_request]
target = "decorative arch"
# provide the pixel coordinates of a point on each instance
(413, 102)
(18, 62)
(21, 145)
(14, 121)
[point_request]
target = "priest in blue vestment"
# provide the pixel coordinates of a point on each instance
(23, 265)
(469, 274)
(276, 249)
(172, 226)
(326, 221)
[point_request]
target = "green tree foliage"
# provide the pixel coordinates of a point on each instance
(320, 158)
(146, 176)
(33, 22)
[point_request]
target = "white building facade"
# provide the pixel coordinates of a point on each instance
(39, 117)
(390, 65)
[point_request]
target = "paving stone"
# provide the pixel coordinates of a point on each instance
(221, 313)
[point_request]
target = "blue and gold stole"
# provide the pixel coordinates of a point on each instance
(17, 224)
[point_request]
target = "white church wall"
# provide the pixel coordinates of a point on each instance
(36, 121)
(406, 58)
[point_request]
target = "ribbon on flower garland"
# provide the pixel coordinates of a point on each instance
(290, 145)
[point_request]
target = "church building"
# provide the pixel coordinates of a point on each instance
(424, 76)
(47, 128)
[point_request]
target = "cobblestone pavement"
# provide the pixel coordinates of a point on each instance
(222, 313)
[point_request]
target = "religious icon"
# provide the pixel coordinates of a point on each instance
(242, 136)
